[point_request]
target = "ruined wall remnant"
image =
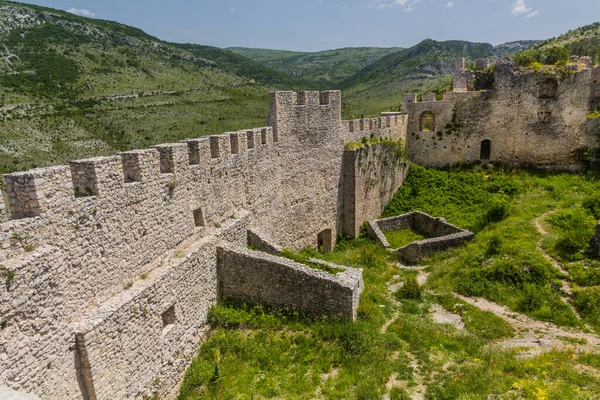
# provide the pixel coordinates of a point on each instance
(440, 235)
(109, 264)
(524, 118)
(264, 278)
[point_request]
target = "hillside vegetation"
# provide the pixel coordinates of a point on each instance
(326, 68)
(74, 87)
(509, 315)
(583, 41)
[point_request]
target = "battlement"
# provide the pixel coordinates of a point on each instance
(389, 125)
(33, 193)
(312, 98)
(411, 98)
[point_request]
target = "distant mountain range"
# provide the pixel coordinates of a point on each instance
(74, 87)
(373, 78)
(328, 68)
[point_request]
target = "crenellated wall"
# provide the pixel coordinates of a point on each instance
(528, 118)
(101, 256)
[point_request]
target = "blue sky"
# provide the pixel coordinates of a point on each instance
(311, 25)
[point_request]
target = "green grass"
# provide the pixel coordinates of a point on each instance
(304, 257)
(402, 237)
(260, 352)
(468, 199)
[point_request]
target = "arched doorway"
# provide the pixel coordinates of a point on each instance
(325, 241)
(486, 150)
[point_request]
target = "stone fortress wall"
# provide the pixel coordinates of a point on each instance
(522, 117)
(109, 265)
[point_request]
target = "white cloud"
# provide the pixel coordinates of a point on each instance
(450, 4)
(232, 9)
(520, 8)
(402, 3)
(81, 11)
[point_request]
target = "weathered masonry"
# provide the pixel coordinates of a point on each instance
(110, 265)
(504, 114)
(440, 235)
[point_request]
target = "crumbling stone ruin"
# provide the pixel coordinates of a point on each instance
(440, 235)
(110, 265)
(508, 115)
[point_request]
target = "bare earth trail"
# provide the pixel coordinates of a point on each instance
(534, 336)
(565, 284)
(542, 336)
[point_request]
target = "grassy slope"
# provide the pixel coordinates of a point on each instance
(56, 88)
(327, 68)
(255, 352)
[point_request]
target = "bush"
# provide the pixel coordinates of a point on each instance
(575, 228)
(411, 290)
(555, 55)
(592, 204)
(494, 246)
(498, 210)
(532, 299)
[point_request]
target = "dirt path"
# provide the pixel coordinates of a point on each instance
(565, 284)
(542, 336)
(418, 390)
(540, 228)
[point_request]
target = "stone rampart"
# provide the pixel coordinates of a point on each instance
(388, 125)
(89, 242)
(264, 278)
(159, 321)
(372, 175)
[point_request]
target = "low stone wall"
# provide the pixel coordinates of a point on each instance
(416, 251)
(264, 278)
(442, 235)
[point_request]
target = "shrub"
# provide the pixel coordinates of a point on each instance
(497, 210)
(592, 204)
(494, 246)
(555, 55)
(411, 290)
(575, 228)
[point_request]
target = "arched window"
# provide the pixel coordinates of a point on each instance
(486, 149)
(427, 122)
(548, 89)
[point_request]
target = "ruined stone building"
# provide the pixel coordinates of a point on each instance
(521, 118)
(110, 265)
